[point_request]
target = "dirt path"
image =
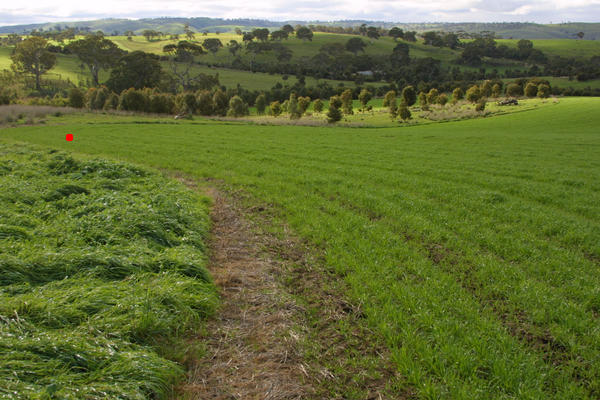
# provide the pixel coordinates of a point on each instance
(252, 349)
(285, 329)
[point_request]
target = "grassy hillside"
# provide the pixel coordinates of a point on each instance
(561, 47)
(101, 277)
(69, 67)
(472, 247)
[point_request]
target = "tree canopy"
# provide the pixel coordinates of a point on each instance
(32, 56)
(354, 45)
(97, 53)
(304, 33)
(137, 70)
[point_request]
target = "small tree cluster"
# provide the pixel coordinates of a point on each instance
(346, 99)
(318, 105)
(334, 114)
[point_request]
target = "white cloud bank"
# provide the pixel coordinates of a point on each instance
(544, 11)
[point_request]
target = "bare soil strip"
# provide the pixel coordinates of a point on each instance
(284, 330)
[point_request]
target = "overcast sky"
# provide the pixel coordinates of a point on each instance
(543, 11)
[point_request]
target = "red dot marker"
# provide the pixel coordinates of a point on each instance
(69, 137)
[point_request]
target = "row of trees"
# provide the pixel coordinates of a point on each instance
(202, 102)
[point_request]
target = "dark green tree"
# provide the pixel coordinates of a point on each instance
(233, 46)
(135, 70)
(354, 45)
(204, 102)
(409, 95)
(76, 98)
(396, 33)
(318, 105)
(97, 53)
(304, 33)
(220, 102)
(404, 112)
(32, 56)
(400, 55)
(213, 45)
(261, 34)
(279, 35)
(373, 33)
(293, 107)
(260, 103)
(334, 114)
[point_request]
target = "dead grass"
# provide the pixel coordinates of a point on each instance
(18, 113)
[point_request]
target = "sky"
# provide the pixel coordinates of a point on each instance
(541, 11)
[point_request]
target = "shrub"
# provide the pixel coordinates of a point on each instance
(543, 91)
(496, 90)
(346, 99)
(112, 102)
(96, 97)
(220, 103)
(473, 94)
(186, 103)
(162, 103)
(237, 107)
(409, 96)
(76, 98)
(404, 112)
(334, 113)
(318, 105)
(275, 109)
(423, 101)
(514, 90)
(393, 108)
(364, 97)
(442, 99)
(133, 100)
(388, 98)
(7, 96)
(480, 105)
(260, 103)
(531, 90)
(204, 102)
(303, 104)
(486, 89)
(432, 96)
(457, 94)
(293, 107)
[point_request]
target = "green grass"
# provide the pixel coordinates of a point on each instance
(472, 246)
(101, 277)
(561, 47)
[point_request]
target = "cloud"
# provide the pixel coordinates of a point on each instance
(35, 11)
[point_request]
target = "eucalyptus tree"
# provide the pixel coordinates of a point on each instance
(181, 62)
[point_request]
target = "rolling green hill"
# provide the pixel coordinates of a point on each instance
(515, 30)
(68, 67)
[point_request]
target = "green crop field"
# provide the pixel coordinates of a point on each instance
(561, 47)
(472, 247)
(102, 277)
